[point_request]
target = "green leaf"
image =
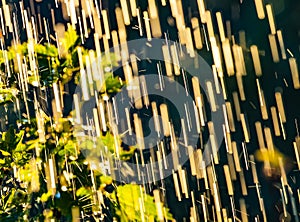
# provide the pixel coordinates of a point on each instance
(4, 153)
(46, 50)
(82, 191)
(45, 196)
(11, 196)
(2, 161)
(20, 147)
(70, 38)
(32, 144)
(106, 179)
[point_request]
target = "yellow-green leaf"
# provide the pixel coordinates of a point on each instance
(4, 153)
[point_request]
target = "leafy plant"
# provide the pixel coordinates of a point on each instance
(24, 157)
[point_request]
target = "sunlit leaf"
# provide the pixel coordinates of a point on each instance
(45, 196)
(4, 153)
(82, 191)
(128, 197)
(70, 38)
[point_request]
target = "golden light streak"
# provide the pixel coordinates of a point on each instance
(183, 181)
(269, 141)
(228, 180)
(97, 25)
(294, 72)
(106, 24)
(89, 75)
(297, 154)
(153, 14)
(213, 141)
(230, 116)
(106, 47)
(174, 9)
(226, 125)
(179, 16)
(147, 25)
(102, 116)
(238, 60)
(73, 16)
(239, 79)
(256, 60)
(7, 16)
(243, 209)
(138, 102)
(224, 214)
(282, 171)
(77, 108)
(202, 10)
(115, 41)
(155, 27)
(217, 201)
(83, 78)
(211, 96)
(243, 183)
(245, 128)
(236, 157)
(96, 122)
(120, 19)
(139, 21)
(144, 91)
(275, 121)
(281, 44)
(192, 160)
(282, 127)
(200, 169)
(216, 56)
(155, 117)
(227, 54)
(133, 8)
(125, 12)
(210, 27)
(271, 19)
(175, 59)
(52, 171)
(196, 33)
(237, 106)
(2, 22)
(262, 101)
(138, 131)
(189, 42)
(85, 27)
(274, 48)
(280, 106)
(176, 185)
(57, 97)
(231, 166)
(167, 60)
(216, 80)
(220, 26)
(204, 207)
(259, 9)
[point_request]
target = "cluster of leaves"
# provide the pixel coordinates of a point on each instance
(104, 142)
(59, 65)
(7, 94)
(13, 151)
(126, 198)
